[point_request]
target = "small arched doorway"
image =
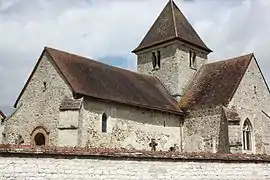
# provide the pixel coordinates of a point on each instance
(39, 137)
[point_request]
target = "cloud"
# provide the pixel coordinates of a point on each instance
(110, 29)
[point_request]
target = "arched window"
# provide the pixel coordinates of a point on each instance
(247, 135)
(158, 59)
(154, 60)
(192, 59)
(104, 123)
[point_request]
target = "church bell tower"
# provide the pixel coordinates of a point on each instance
(171, 50)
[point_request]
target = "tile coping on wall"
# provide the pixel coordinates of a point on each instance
(7, 150)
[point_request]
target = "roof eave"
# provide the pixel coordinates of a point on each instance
(137, 105)
(141, 48)
(44, 52)
(234, 91)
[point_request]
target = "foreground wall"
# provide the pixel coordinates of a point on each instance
(35, 168)
(127, 165)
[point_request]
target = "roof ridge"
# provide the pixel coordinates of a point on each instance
(174, 21)
(97, 61)
(91, 78)
(241, 76)
(230, 59)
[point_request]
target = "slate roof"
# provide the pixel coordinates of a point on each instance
(94, 79)
(231, 114)
(70, 104)
(170, 25)
(215, 83)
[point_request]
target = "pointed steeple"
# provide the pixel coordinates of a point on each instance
(171, 25)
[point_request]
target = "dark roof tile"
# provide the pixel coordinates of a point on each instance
(95, 79)
(70, 104)
(170, 25)
(215, 83)
(231, 114)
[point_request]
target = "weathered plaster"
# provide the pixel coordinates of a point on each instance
(68, 119)
(68, 128)
(127, 127)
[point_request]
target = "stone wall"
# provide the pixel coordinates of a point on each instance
(2, 127)
(205, 131)
(68, 165)
(127, 127)
(251, 98)
(175, 72)
(38, 105)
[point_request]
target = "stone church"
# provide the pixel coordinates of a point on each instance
(176, 101)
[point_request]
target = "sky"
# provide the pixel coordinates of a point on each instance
(108, 30)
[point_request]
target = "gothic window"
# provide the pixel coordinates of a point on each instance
(247, 135)
(154, 60)
(158, 58)
(104, 123)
